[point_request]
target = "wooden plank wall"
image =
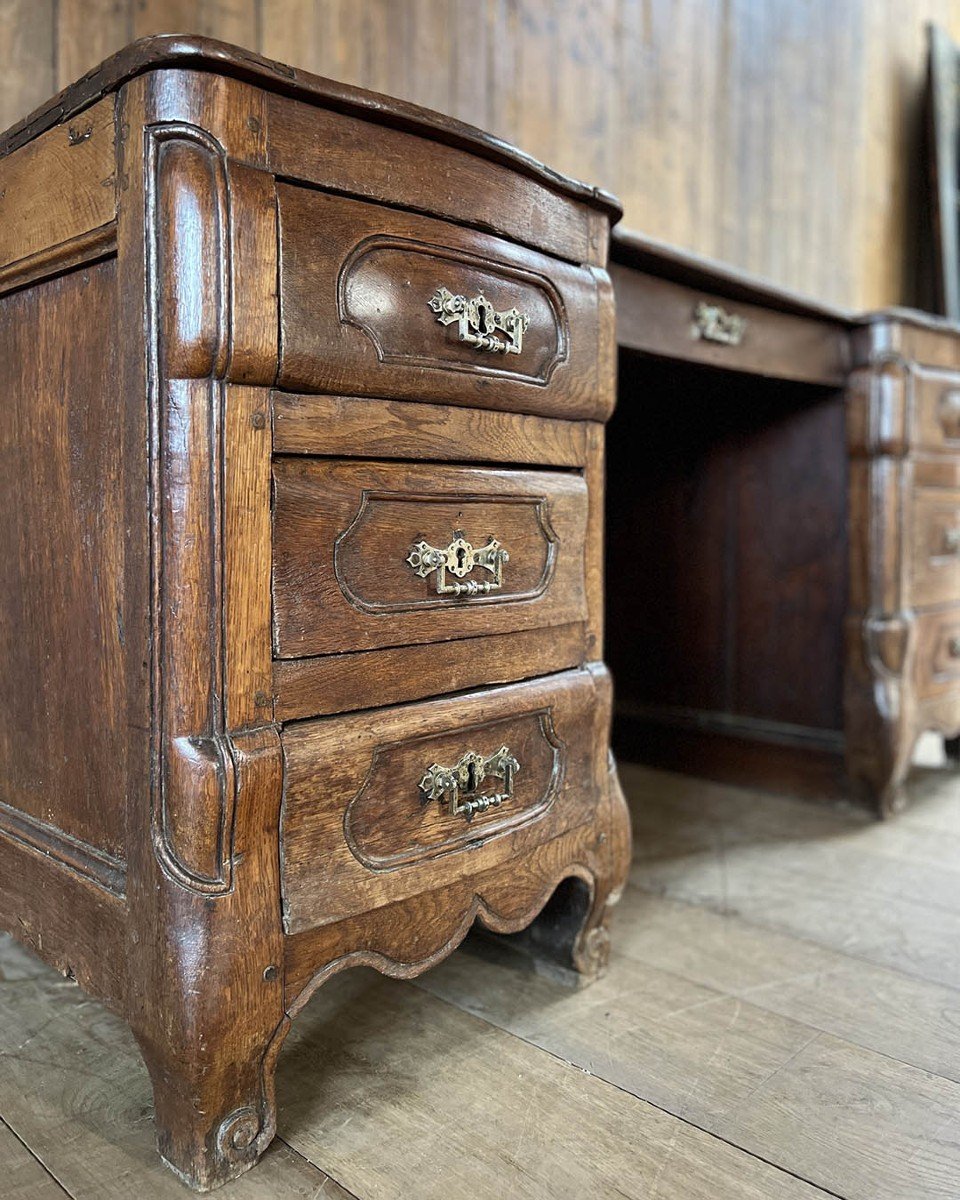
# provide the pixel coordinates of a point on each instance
(778, 135)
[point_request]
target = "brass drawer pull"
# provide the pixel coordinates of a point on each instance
(951, 541)
(479, 323)
(460, 558)
(953, 647)
(457, 786)
(714, 324)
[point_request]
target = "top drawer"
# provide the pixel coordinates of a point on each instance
(380, 302)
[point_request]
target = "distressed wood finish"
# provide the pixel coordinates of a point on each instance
(163, 818)
(375, 334)
(344, 531)
(73, 167)
(352, 798)
(796, 495)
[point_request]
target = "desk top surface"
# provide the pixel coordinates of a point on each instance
(190, 52)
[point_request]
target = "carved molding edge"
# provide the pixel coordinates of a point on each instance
(478, 909)
(508, 823)
(99, 867)
(368, 497)
(188, 281)
(505, 271)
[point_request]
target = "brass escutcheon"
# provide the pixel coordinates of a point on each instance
(459, 559)
(714, 324)
(457, 785)
(479, 323)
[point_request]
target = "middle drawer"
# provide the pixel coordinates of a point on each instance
(935, 542)
(376, 554)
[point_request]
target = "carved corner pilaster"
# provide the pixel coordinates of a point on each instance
(880, 398)
(208, 222)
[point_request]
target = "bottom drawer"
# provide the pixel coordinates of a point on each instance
(938, 653)
(381, 805)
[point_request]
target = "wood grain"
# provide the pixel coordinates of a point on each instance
(723, 131)
(874, 1008)
(332, 683)
(65, 562)
(552, 1131)
(74, 167)
(90, 1125)
(343, 532)
(375, 333)
(855, 901)
(351, 427)
(657, 316)
(738, 1072)
(24, 1177)
(352, 799)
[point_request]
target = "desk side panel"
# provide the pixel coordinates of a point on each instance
(73, 712)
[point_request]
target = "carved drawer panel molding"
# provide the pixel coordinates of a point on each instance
(935, 547)
(355, 543)
(423, 310)
(938, 655)
(937, 409)
(363, 823)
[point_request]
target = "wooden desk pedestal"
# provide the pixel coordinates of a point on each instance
(300, 601)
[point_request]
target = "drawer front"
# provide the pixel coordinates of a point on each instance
(377, 302)
(672, 320)
(380, 806)
(376, 554)
(937, 410)
(938, 654)
(936, 547)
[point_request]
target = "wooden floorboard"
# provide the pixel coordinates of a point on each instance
(781, 1020)
(873, 1007)
(22, 1177)
(73, 1089)
(812, 872)
(737, 1071)
(400, 1094)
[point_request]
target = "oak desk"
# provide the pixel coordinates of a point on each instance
(783, 555)
(300, 582)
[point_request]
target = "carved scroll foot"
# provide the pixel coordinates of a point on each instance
(214, 1120)
(881, 726)
(878, 771)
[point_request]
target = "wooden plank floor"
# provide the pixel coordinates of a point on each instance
(781, 1020)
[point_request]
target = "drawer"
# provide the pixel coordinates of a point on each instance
(935, 547)
(675, 321)
(937, 410)
(384, 303)
(938, 653)
(378, 808)
(376, 554)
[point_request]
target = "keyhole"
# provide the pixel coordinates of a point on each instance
(471, 777)
(461, 557)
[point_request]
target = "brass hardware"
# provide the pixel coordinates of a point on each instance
(450, 784)
(953, 647)
(479, 322)
(951, 541)
(459, 558)
(715, 324)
